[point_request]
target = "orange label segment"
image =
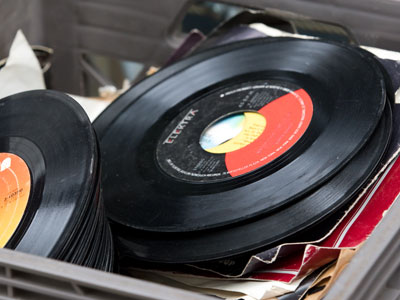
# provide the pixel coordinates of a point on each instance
(287, 119)
(15, 185)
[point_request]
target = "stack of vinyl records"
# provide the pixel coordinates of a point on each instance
(241, 147)
(50, 201)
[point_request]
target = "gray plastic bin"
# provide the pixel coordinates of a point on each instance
(144, 31)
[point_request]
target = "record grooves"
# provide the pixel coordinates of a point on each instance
(50, 174)
(314, 123)
(256, 233)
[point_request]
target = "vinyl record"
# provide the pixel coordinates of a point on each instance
(265, 231)
(50, 180)
(233, 136)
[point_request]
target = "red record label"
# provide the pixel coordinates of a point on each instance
(288, 117)
(235, 130)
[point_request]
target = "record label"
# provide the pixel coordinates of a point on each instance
(234, 131)
(15, 186)
(268, 136)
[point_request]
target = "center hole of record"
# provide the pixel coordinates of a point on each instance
(232, 132)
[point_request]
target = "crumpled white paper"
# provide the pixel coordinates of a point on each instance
(256, 290)
(22, 70)
(92, 107)
(22, 73)
(224, 288)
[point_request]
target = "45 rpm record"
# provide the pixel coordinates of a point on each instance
(318, 102)
(50, 180)
(265, 231)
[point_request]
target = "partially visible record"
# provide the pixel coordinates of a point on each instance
(50, 180)
(237, 140)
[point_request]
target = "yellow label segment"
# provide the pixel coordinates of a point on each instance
(254, 125)
(15, 186)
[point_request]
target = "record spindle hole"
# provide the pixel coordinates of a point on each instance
(179, 202)
(232, 132)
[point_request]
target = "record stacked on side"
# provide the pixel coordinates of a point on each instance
(50, 181)
(240, 147)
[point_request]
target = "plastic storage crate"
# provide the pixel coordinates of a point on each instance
(143, 31)
(25, 276)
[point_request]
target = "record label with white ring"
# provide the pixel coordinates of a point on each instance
(234, 131)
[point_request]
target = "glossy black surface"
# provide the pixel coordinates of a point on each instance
(64, 217)
(265, 231)
(348, 93)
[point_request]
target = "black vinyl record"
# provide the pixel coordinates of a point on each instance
(51, 178)
(312, 106)
(264, 231)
